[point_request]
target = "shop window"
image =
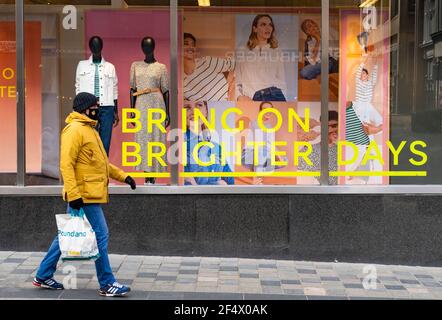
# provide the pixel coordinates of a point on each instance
(249, 102)
(106, 51)
(254, 69)
(8, 89)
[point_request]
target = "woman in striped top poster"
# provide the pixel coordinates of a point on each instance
(365, 87)
(205, 78)
(363, 121)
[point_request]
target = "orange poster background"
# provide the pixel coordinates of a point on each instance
(250, 113)
(8, 127)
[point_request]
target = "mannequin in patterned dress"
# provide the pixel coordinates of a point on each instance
(150, 74)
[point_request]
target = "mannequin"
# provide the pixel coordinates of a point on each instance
(98, 76)
(96, 47)
(148, 48)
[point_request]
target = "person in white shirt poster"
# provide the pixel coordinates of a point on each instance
(260, 74)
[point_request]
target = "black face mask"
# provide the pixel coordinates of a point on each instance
(92, 114)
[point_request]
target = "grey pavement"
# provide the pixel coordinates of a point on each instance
(203, 278)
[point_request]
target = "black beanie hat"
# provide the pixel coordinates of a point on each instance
(84, 100)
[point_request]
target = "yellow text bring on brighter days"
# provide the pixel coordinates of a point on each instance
(302, 149)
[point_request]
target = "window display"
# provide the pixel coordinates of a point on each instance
(246, 95)
(245, 69)
(141, 59)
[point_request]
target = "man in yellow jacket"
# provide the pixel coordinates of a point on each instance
(86, 170)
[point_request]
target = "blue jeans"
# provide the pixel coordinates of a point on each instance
(269, 94)
(310, 72)
(106, 119)
(94, 214)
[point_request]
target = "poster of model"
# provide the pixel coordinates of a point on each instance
(309, 77)
(271, 63)
(364, 97)
(251, 62)
(266, 57)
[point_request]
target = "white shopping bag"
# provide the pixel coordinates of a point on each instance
(76, 237)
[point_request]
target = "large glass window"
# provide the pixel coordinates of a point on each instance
(250, 92)
(118, 53)
(419, 104)
(361, 149)
(246, 98)
(389, 113)
(8, 111)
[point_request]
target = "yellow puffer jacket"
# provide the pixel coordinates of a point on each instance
(84, 164)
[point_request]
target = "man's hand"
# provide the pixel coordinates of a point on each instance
(76, 204)
(130, 181)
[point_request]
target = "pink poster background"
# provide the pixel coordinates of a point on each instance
(350, 56)
(122, 32)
